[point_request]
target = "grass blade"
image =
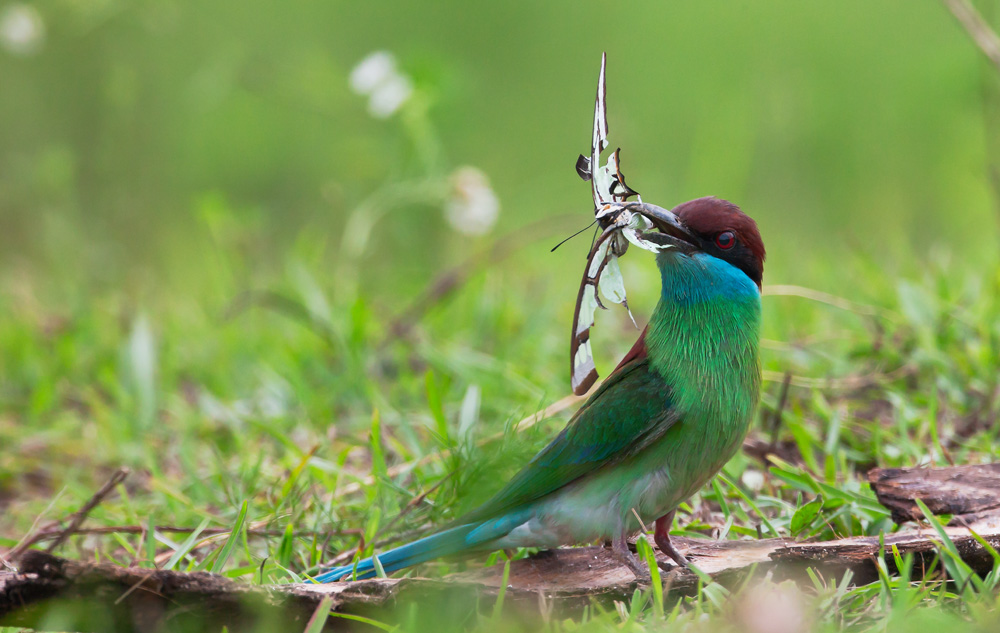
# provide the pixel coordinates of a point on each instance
(319, 616)
(187, 545)
(649, 557)
(234, 537)
(498, 605)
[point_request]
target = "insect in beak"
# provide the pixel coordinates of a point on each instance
(667, 222)
(621, 223)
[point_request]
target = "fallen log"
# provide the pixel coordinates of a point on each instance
(50, 593)
(971, 494)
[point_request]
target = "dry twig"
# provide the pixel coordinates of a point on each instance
(56, 531)
(977, 28)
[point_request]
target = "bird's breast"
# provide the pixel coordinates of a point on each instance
(704, 336)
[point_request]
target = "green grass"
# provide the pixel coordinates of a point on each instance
(253, 425)
(226, 330)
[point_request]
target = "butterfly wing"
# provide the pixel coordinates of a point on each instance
(602, 275)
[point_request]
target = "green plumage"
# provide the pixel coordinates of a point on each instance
(660, 426)
(657, 430)
(621, 418)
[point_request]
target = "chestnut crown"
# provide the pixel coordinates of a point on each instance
(718, 228)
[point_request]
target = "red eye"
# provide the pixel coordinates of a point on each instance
(725, 240)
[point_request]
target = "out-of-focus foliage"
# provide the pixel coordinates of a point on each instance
(216, 216)
(858, 128)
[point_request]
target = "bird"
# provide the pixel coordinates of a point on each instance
(664, 422)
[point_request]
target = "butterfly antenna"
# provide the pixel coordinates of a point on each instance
(572, 236)
(593, 239)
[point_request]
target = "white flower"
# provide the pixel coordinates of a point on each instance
(753, 479)
(371, 71)
(473, 207)
(377, 77)
(389, 96)
(22, 30)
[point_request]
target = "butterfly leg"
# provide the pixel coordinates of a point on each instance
(662, 537)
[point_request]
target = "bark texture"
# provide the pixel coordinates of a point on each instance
(50, 593)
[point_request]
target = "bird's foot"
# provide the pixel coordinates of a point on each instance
(662, 538)
(620, 550)
(667, 548)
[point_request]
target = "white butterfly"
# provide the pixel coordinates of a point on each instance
(621, 223)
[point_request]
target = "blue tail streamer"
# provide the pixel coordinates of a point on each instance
(461, 538)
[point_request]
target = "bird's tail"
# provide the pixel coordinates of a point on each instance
(470, 536)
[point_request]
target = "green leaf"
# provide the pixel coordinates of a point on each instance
(721, 499)
(359, 618)
(959, 570)
(378, 455)
(647, 555)
(293, 477)
(750, 502)
(947, 542)
(286, 546)
(805, 515)
(234, 538)
(498, 605)
(319, 616)
(379, 570)
(187, 545)
(435, 404)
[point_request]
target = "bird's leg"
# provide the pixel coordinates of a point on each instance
(620, 550)
(662, 537)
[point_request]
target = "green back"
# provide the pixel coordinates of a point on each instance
(699, 362)
(628, 411)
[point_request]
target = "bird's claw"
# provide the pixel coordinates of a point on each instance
(661, 536)
(620, 550)
(668, 548)
(642, 574)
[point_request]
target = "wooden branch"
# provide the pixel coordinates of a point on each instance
(970, 493)
(103, 597)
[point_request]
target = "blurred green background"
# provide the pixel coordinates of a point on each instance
(845, 130)
(206, 236)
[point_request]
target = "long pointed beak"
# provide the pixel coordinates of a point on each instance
(666, 221)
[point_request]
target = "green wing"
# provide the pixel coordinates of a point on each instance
(630, 410)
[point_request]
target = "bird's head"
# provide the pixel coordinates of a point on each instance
(717, 228)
